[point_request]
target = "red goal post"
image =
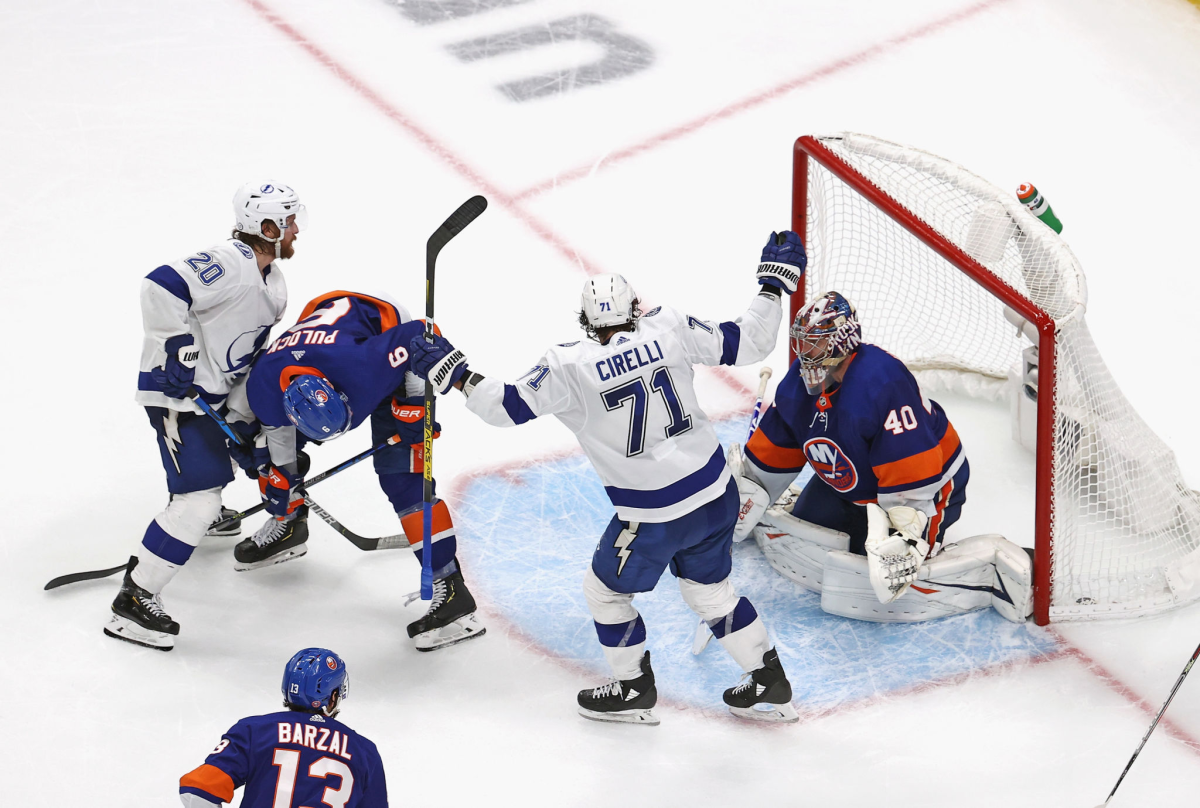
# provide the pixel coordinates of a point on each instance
(905, 235)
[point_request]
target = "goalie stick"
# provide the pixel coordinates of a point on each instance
(703, 633)
(1153, 724)
(458, 220)
(91, 575)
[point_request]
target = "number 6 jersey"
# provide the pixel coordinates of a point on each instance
(632, 406)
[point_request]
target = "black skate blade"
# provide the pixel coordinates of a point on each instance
(769, 713)
(644, 717)
(461, 630)
(288, 555)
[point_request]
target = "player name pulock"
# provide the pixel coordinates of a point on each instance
(321, 739)
(628, 360)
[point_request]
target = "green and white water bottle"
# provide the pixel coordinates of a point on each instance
(1032, 198)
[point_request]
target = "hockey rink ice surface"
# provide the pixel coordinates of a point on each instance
(666, 156)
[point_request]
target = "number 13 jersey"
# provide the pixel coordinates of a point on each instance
(632, 405)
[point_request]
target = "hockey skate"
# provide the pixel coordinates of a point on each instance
(625, 702)
(274, 543)
(451, 616)
(234, 528)
(765, 695)
(138, 616)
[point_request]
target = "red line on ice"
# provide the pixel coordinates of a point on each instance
(845, 63)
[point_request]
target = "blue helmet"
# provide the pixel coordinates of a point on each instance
(315, 680)
(316, 408)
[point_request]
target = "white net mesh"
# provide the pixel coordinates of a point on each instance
(1125, 527)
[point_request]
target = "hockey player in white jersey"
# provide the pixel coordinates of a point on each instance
(206, 318)
(628, 397)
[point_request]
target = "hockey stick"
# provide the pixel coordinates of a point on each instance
(211, 413)
(361, 542)
(703, 633)
(467, 212)
(1154, 724)
(91, 575)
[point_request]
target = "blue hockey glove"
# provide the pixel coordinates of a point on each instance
(277, 487)
(783, 262)
(244, 454)
(176, 377)
(438, 362)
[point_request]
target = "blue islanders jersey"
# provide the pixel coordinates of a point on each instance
(357, 342)
(288, 759)
(874, 438)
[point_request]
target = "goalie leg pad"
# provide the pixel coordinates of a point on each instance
(1013, 589)
(619, 627)
(963, 578)
(795, 548)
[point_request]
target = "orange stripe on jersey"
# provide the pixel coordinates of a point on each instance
(921, 466)
(414, 523)
(389, 317)
(210, 780)
(292, 371)
(935, 524)
(775, 456)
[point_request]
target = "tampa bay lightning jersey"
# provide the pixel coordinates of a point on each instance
(228, 306)
(358, 342)
(291, 759)
(875, 437)
(632, 406)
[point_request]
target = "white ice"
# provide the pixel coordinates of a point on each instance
(125, 127)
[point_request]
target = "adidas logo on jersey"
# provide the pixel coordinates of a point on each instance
(622, 340)
(297, 354)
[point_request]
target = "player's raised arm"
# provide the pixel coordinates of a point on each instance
(752, 336)
(541, 391)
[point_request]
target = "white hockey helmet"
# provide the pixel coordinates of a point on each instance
(608, 300)
(258, 202)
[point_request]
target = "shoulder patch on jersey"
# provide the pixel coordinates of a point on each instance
(243, 249)
(568, 344)
(653, 311)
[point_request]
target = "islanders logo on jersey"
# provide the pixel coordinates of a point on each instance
(831, 463)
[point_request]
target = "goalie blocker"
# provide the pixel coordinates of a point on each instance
(975, 573)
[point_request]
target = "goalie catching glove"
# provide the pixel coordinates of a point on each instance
(896, 548)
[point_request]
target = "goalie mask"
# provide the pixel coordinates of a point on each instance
(608, 301)
(824, 333)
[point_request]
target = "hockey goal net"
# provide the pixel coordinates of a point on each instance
(960, 281)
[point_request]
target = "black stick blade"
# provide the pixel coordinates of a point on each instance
(76, 577)
(458, 220)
